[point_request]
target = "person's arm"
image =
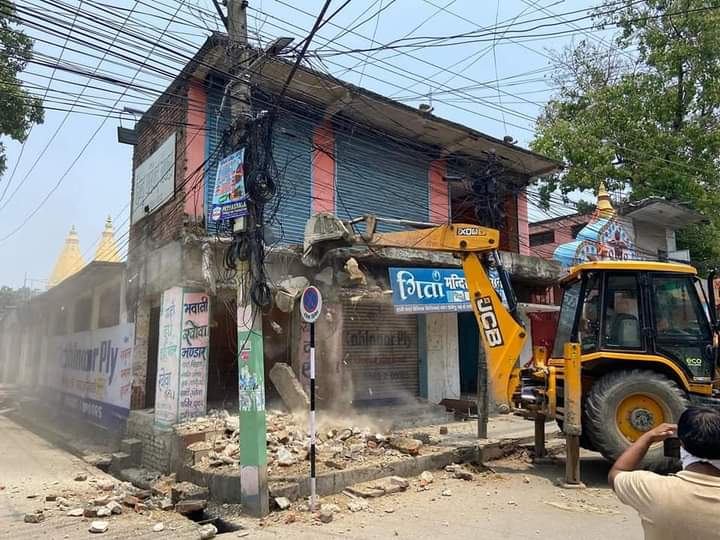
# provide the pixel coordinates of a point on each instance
(631, 458)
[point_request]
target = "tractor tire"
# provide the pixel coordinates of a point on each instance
(622, 405)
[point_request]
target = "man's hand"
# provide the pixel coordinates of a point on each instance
(631, 458)
(660, 433)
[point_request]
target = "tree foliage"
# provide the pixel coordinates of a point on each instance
(643, 115)
(18, 109)
(11, 298)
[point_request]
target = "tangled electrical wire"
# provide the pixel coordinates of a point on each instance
(260, 187)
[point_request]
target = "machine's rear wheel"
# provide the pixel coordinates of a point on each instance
(623, 405)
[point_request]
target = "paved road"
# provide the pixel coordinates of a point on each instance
(518, 502)
(31, 466)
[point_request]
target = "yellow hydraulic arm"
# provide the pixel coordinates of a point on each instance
(502, 334)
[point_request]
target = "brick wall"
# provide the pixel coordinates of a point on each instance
(158, 445)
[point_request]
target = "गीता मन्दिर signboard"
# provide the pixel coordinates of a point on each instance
(434, 290)
(93, 372)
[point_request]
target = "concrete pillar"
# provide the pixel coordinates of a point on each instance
(443, 363)
(183, 354)
(140, 353)
(334, 377)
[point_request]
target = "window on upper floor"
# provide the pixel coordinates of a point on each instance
(83, 314)
(109, 313)
(542, 238)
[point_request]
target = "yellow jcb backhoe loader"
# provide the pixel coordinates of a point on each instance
(636, 341)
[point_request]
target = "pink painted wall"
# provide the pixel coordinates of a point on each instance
(323, 169)
(195, 149)
(562, 228)
(438, 210)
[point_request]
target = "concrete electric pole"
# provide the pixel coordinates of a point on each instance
(251, 364)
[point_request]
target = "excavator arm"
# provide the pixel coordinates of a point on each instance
(503, 335)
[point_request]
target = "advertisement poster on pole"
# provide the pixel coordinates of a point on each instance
(229, 198)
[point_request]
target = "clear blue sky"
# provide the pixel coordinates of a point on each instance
(98, 185)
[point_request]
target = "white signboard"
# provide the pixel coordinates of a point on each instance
(93, 372)
(154, 180)
(181, 389)
(166, 399)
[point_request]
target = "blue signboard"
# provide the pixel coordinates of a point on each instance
(433, 290)
(229, 200)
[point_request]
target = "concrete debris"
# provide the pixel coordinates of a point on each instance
(114, 507)
(357, 276)
(526, 480)
(187, 490)
(443, 430)
(325, 515)
(90, 512)
(426, 478)
(367, 493)
(51, 498)
(99, 526)
(283, 503)
(103, 511)
(159, 527)
(400, 482)
(330, 507)
(285, 457)
(166, 504)
(75, 512)
(447, 493)
(358, 505)
(81, 477)
(34, 517)
(207, 532)
(406, 445)
(462, 474)
(291, 391)
(189, 506)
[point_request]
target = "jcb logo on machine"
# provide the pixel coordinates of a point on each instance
(469, 231)
(489, 322)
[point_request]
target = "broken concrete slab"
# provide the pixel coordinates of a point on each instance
(291, 391)
(187, 490)
(190, 505)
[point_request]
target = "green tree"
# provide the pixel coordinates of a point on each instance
(643, 115)
(12, 298)
(18, 109)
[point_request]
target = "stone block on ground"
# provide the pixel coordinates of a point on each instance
(187, 490)
(291, 391)
(34, 517)
(197, 451)
(189, 506)
(406, 445)
(206, 532)
(367, 493)
(98, 526)
(283, 503)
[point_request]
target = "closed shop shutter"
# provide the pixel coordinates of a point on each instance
(381, 349)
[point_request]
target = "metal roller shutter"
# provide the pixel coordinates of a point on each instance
(381, 349)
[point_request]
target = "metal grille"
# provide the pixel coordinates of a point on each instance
(381, 349)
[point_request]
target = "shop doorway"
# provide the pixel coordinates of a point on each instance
(468, 348)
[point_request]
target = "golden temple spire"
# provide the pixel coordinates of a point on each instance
(70, 260)
(107, 250)
(604, 206)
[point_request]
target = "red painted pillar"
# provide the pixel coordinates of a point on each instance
(323, 169)
(195, 149)
(438, 194)
(523, 221)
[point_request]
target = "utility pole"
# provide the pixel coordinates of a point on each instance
(251, 364)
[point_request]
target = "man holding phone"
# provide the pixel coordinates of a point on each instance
(685, 505)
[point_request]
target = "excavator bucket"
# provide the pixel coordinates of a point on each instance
(324, 232)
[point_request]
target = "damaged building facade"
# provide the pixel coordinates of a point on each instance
(338, 149)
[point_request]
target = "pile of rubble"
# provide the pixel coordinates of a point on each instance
(288, 443)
